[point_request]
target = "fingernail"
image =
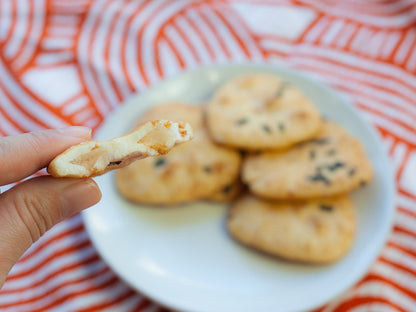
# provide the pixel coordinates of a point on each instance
(78, 196)
(76, 131)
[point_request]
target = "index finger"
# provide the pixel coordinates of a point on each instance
(24, 154)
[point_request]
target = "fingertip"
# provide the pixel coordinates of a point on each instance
(94, 188)
(80, 196)
(76, 131)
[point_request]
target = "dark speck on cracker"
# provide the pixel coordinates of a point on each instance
(160, 162)
(282, 89)
(312, 154)
(336, 166)
(227, 189)
(266, 128)
(326, 208)
(319, 177)
(114, 163)
(241, 121)
(281, 126)
(351, 172)
(207, 169)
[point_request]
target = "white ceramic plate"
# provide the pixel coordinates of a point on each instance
(182, 256)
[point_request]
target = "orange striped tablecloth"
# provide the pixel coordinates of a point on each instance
(71, 62)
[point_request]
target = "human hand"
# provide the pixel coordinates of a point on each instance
(32, 207)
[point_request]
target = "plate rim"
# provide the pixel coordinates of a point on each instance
(265, 67)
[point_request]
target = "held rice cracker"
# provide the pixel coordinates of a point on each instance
(93, 158)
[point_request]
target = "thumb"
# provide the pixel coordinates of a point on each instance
(31, 208)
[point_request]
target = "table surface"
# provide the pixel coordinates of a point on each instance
(72, 62)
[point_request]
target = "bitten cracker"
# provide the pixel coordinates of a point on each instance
(261, 111)
(332, 163)
(93, 158)
(313, 231)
